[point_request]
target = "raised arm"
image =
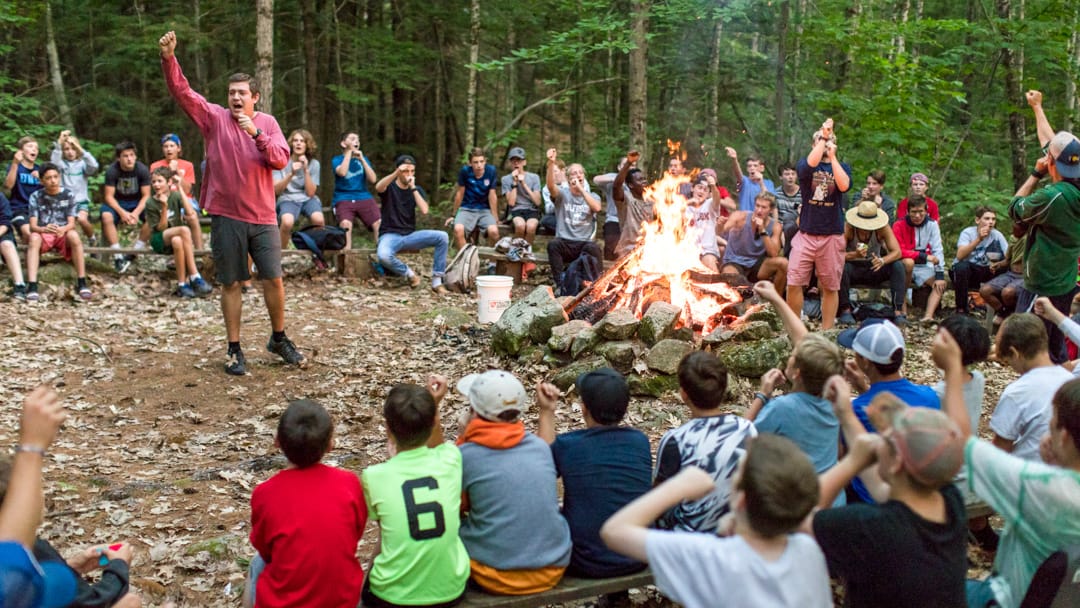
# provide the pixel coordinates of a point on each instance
(946, 354)
(792, 323)
(437, 385)
(384, 183)
(547, 399)
(1042, 125)
(736, 170)
(193, 104)
(21, 511)
(553, 188)
(625, 531)
(813, 159)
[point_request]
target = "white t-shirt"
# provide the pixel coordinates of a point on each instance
(974, 390)
(702, 570)
(1023, 412)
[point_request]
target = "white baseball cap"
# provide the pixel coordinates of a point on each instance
(877, 340)
(492, 393)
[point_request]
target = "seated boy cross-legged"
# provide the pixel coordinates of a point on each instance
(713, 441)
(604, 466)
(306, 521)
(416, 499)
(765, 563)
(517, 540)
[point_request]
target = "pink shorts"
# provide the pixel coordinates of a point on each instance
(57, 242)
(821, 253)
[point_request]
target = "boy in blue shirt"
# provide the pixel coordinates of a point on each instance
(802, 414)
(879, 354)
(604, 466)
(352, 200)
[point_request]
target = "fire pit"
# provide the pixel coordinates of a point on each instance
(665, 267)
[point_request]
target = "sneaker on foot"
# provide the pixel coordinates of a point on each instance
(121, 264)
(235, 364)
(200, 286)
(900, 320)
(846, 318)
(287, 351)
(414, 281)
(32, 295)
(184, 291)
(19, 292)
(85, 293)
(439, 290)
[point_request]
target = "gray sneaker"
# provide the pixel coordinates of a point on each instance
(19, 292)
(285, 349)
(236, 365)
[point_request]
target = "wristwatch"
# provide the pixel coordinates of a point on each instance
(258, 132)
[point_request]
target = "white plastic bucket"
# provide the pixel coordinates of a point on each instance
(494, 292)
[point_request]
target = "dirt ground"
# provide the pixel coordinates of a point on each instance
(162, 448)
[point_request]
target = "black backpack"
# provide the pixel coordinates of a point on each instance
(318, 239)
(581, 272)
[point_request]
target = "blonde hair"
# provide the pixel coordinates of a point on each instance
(817, 359)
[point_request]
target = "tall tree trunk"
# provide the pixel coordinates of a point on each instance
(714, 77)
(200, 60)
(474, 57)
(342, 122)
(54, 69)
(781, 64)
(312, 107)
(264, 53)
(898, 40)
(577, 116)
(1074, 70)
(639, 80)
(1012, 63)
(854, 15)
(511, 73)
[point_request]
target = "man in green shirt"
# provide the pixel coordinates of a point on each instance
(416, 498)
(1050, 216)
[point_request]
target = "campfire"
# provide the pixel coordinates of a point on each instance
(665, 267)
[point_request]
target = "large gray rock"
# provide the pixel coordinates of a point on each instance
(528, 319)
(658, 322)
(566, 376)
(652, 386)
(562, 336)
(618, 324)
(584, 342)
(666, 355)
(753, 359)
(619, 354)
(752, 331)
(553, 358)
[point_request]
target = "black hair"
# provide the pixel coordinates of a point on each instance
(896, 361)
(304, 432)
(409, 411)
(972, 337)
(703, 378)
(124, 146)
(46, 167)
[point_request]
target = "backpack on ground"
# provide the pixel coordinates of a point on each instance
(318, 239)
(462, 271)
(580, 274)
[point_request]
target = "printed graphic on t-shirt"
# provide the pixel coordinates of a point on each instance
(824, 186)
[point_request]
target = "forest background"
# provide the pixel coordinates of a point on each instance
(914, 85)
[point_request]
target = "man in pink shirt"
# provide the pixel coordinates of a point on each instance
(243, 147)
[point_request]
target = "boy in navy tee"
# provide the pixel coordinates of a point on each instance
(604, 467)
(23, 180)
(476, 204)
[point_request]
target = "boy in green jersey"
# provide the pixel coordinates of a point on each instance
(416, 499)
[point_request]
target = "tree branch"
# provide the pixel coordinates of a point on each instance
(529, 108)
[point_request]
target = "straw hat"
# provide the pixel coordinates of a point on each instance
(867, 216)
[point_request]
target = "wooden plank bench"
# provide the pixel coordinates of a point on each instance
(569, 589)
(505, 267)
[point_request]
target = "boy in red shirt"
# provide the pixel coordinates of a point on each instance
(306, 521)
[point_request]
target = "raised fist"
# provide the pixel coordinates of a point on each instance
(552, 154)
(632, 156)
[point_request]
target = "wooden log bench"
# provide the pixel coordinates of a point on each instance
(569, 589)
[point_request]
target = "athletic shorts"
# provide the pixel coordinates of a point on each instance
(232, 241)
(472, 219)
(366, 210)
(823, 254)
(55, 242)
(19, 221)
(8, 236)
(1006, 280)
(298, 208)
(82, 206)
(126, 206)
(158, 244)
(750, 272)
(525, 214)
